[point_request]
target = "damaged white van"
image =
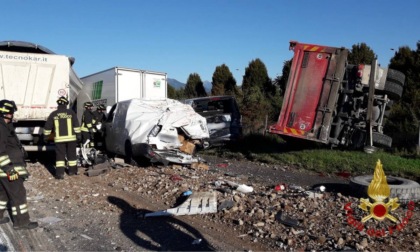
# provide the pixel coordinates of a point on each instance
(164, 131)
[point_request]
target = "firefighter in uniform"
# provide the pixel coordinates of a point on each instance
(100, 118)
(12, 171)
(63, 122)
(88, 125)
(100, 114)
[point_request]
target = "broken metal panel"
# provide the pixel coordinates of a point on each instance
(143, 115)
(157, 124)
(197, 203)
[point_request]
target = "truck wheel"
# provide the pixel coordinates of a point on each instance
(406, 190)
(129, 157)
(396, 76)
(393, 85)
(381, 140)
(393, 90)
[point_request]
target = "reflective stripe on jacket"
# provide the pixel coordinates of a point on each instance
(63, 122)
(11, 152)
(88, 121)
(19, 169)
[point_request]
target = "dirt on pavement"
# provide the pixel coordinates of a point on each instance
(105, 212)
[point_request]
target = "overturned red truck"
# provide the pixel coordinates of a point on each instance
(330, 101)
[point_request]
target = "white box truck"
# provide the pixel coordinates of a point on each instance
(120, 84)
(34, 77)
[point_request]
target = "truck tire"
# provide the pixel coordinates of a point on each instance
(406, 190)
(381, 140)
(129, 156)
(393, 85)
(396, 76)
(393, 90)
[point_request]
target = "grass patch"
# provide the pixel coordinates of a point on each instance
(272, 149)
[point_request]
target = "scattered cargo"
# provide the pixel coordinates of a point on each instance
(165, 131)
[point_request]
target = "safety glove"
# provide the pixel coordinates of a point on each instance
(12, 175)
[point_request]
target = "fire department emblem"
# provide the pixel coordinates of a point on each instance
(379, 191)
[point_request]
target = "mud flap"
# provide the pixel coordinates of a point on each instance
(197, 203)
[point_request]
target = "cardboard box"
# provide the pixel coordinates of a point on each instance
(199, 166)
(187, 147)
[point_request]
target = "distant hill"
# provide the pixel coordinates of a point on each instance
(175, 84)
(178, 85)
(207, 86)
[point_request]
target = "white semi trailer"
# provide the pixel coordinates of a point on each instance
(34, 77)
(120, 84)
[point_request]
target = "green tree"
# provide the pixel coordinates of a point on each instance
(175, 94)
(256, 74)
(281, 81)
(404, 121)
(172, 92)
(194, 86)
(223, 82)
(361, 54)
(253, 107)
(260, 97)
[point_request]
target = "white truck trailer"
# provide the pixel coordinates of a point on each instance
(120, 84)
(34, 77)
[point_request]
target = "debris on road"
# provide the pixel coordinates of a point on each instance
(280, 187)
(305, 223)
(286, 220)
(240, 187)
(197, 203)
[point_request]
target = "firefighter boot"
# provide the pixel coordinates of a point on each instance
(59, 173)
(73, 170)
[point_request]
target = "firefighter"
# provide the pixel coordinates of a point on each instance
(63, 122)
(88, 125)
(100, 118)
(12, 171)
(100, 114)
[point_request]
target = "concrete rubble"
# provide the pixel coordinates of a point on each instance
(294, 218)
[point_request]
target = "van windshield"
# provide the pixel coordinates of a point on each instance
(213, 105)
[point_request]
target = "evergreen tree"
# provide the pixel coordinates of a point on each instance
(281, 81)
(253, 109)
(404, 121)
(218, 80)
(172, 92)
(194, 87)
(223, 82)
(361, 54)
(260, 97)
(256, 74)
(176, 94)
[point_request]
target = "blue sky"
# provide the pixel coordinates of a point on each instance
(181, 37)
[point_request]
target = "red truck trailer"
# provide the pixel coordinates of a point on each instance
(330, 101)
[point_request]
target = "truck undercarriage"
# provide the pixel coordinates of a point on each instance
(330, 101)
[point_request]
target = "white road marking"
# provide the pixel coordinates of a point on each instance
(5, 243)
